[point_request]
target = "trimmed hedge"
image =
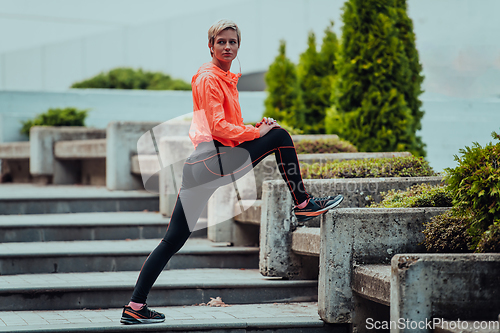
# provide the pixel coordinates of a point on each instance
(56, 117)
(322, 146)
(447, 233)
(129, 78)
(421, 195)
(369, 168)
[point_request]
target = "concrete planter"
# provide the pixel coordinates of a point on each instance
(354, 236)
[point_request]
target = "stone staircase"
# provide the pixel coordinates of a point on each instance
(71, 260)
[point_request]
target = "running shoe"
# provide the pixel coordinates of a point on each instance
(142, 316)
(316, 207)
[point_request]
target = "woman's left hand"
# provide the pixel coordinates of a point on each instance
(267, 121)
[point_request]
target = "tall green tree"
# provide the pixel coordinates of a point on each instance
(316, 71)
(284, 100)
(310, 73)
(328, 58)
(369, 106)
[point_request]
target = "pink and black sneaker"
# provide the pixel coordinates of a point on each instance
(316, 207)
(142, 316)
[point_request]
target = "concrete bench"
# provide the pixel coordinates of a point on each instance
(14, 157)
(43, 160)
(123, 157)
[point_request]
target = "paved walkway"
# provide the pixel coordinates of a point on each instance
(236, 315)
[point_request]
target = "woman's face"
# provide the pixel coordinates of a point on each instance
(225, 47)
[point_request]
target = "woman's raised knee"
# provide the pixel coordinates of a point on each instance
(281, 134)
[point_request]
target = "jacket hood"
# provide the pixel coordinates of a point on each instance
(210, 68)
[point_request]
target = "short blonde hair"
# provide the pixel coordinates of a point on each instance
(220, 25)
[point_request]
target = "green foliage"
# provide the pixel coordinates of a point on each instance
(316, 72)
(369, 108)
(322, 146)
(421, 195)
(128, 78)
(56, 117)
(284, 100)
(368, 168)
(447, 233)
(490, 240)
(475, 186)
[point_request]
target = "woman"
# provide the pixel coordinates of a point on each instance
(225, 149)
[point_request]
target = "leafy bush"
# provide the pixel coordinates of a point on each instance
(322, 146)
(369, 108)
(447, 233)
(368, 168)
(421, 195)
(128, 78)
(475, 187)
(56, 117)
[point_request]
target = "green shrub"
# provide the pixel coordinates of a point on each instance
(322, 146)
(421, 195)
(369, 108)
(447, 233)
(284, 100)
(368, 168)
(128, 78)
(56, 117)
(475, 186)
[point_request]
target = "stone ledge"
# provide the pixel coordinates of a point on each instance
(80, 149)
(15, 150)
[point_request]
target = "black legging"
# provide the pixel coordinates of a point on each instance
(209, 167)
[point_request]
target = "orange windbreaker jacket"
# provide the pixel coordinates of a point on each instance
(217, 112)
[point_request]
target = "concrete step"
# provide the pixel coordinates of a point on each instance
(87, 226)
(173, 287)
(56, 199)
(112, 256)
(273, 317)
